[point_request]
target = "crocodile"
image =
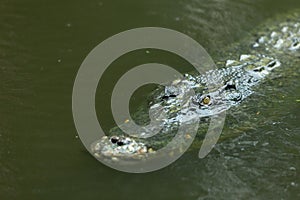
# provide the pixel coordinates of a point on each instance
(232, 83)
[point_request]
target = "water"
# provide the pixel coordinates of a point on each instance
(42, 44)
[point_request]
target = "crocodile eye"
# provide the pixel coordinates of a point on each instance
(206, 100)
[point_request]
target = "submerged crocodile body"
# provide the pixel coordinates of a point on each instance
(231, 85)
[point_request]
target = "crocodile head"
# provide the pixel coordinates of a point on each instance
(214, 92)
(116, 147)
(230, 86)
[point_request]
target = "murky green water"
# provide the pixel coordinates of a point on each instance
(42, 44)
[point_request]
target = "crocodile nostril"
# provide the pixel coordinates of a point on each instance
(120, 143)
(114, 140)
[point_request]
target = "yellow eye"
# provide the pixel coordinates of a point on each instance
(206, 100)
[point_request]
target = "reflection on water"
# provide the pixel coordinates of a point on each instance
(42, 44)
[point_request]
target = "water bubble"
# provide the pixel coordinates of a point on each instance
(293, 184)
(292, 168)
(68, 25)
(265, 144)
